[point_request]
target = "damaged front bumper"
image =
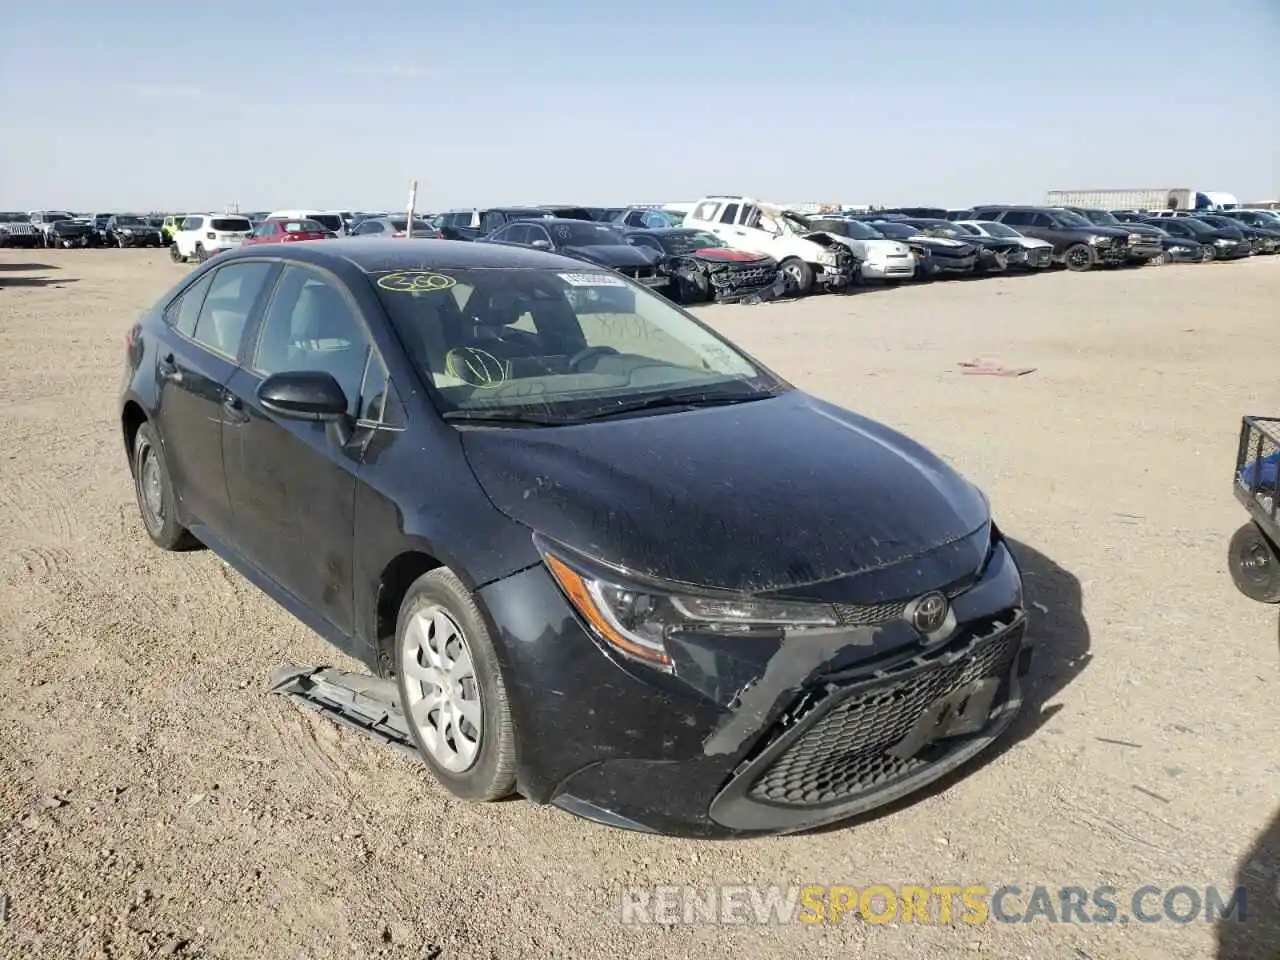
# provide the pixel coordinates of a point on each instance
(745, 738)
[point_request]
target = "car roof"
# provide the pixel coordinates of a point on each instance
(375, 255)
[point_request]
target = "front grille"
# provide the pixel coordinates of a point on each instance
(745, 277)
(844, 753)
(866, 615)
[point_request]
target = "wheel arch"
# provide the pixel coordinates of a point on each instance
(132, 417)
(393, 583)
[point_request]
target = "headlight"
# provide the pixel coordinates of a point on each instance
(637, 619)
(1223, 242)
(1100, 241)
(127, 230)
(1179, 249)
(827, 258)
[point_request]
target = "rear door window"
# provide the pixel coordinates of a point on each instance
(233, 293)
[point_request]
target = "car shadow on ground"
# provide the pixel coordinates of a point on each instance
(1256, 935)
(1057, 625)
(35, 281)
(28, 266)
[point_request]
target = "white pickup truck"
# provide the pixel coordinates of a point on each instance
(808, 258)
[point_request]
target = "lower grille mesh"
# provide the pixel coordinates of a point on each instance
(843, 755)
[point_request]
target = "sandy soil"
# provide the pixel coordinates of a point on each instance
(155, 801)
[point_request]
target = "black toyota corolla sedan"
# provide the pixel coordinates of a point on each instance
(610, 561)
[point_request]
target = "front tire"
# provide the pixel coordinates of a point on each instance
(1080, 257)
(201, 254)
(175, 254)
(452, 691)
(156, 500)
(1254, 564)
(799, 274)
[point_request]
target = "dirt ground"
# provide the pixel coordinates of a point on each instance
(156, 801)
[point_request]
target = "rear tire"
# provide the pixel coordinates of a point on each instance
(201, 254)
(156, 500)
(441, 634)
(799, 274)
(1254, 564)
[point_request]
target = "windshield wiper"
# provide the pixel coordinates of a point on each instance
(509, 418)
(671, 400)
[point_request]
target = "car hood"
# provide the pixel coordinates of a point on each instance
(778, 496)
(727, 255)
(959, 247)
(612, 254)
(1138, 228)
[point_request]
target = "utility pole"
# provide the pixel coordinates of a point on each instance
(413, 199)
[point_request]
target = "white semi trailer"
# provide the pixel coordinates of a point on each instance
(1153, 198)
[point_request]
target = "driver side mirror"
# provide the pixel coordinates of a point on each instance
(303, 395)
(541, 244)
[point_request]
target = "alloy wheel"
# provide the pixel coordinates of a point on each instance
(442, 690)
(1078, 258)
(151, 486)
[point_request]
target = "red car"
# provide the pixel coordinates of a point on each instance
(287, 231)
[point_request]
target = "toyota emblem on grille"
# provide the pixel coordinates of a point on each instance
(929, 612)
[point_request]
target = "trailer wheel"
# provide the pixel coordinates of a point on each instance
(1255, 564)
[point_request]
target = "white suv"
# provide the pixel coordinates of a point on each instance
(809, 259)
(202, 235)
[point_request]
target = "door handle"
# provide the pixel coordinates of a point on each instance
(234, 407)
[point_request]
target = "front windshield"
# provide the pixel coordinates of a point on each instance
(895, 231)
(1194, 225)
(1067, 218)
(1102, 218)
(678, 244)
(996, 229)
(128, 221)
(797, 223)
(584, 233)
(939, 228)
(855, 229)
(556, 345)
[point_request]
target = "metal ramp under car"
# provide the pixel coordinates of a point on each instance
(355, 700)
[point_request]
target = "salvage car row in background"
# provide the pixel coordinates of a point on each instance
(724, 247)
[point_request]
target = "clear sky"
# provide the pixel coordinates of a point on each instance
(133, 104)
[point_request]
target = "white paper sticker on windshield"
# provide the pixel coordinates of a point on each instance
(592, 280)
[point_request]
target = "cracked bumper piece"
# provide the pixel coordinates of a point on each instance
(748, 736)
